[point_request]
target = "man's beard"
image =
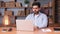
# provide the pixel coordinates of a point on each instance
(36, 12)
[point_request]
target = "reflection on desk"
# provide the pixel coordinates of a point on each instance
(24, 32)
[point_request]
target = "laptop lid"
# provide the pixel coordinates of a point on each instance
(25, 25)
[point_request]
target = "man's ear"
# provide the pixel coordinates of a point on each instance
(39, 8)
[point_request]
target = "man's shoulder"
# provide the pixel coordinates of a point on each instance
(30, 14)
(43, 14)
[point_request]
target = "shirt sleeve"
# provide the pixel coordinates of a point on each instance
(44, 22)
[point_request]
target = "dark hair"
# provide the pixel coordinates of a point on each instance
(36, 3)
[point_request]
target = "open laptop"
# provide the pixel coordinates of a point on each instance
(24, 25)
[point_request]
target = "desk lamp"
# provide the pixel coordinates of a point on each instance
(6, 22)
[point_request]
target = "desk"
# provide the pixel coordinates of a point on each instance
(27, 32)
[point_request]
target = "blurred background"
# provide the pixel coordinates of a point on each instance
(19, 9)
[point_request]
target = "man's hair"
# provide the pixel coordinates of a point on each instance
(36, 3)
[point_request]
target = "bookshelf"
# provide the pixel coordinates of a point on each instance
(15, 7)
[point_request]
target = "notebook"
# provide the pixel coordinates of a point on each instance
(24, 25)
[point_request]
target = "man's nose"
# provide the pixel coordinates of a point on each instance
(34, 10)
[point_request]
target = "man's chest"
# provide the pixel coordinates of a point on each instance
(38, 18)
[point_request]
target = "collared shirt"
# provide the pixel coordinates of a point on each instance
(39, 21)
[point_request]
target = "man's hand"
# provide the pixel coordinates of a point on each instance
(36, 28)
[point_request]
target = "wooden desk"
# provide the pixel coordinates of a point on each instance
(27, 32)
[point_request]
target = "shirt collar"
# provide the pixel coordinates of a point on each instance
(38, 15)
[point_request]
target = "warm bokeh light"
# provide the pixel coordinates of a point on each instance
(6, 20)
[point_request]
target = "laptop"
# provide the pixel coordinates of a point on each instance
(24, 25)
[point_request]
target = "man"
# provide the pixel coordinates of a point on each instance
(39, 18)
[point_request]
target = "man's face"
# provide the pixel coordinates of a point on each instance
(35, 9)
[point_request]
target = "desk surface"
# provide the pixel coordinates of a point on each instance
(29, 32)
